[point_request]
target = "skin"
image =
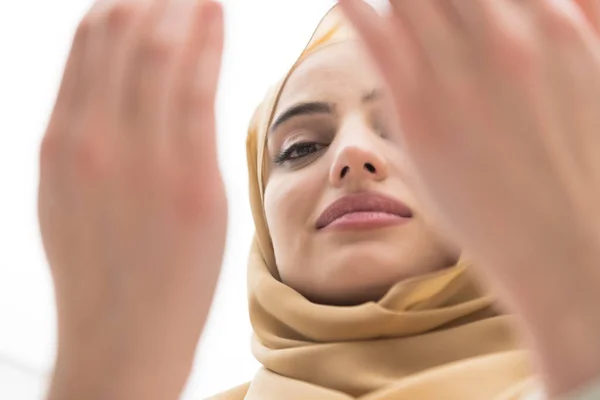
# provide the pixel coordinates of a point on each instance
(498, 108)
(132, 206)
(349, 266)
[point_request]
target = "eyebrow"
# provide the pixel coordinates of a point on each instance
(316, 107)
(372, 96)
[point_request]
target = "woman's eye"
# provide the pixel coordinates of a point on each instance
(381, 129)
(297, 151)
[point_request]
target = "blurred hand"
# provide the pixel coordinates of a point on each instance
(132, 206)
(498, 108)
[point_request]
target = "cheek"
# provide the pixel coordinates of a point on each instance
(290, 202)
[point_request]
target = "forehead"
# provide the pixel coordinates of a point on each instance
(337, 74)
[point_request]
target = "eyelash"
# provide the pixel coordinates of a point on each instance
(287, 154)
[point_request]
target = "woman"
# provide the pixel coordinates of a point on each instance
(354, 290)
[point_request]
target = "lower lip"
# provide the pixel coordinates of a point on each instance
(366, 220)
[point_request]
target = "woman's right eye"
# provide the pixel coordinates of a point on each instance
(297, 151)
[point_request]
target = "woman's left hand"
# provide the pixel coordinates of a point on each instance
(498, 108)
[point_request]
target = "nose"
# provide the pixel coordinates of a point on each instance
(356, 163)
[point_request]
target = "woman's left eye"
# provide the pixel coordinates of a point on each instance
(297, 151)
(380, 129)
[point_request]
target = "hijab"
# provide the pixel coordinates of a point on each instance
(437, 336)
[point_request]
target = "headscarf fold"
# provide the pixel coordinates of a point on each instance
(433, 337)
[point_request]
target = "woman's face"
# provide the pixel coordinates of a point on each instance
(344, 225)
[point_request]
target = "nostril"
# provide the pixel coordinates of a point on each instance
(370, 167)
(344, 171)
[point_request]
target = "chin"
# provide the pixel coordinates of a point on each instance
(360, 273)
(352, 272)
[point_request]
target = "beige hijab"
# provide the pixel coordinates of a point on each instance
(429, 338)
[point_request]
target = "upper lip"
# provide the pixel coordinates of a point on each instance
(362, 202)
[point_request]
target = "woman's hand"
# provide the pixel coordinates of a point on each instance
(498, 107)
(132, 206)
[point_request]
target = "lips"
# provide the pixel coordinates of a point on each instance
(363, 202)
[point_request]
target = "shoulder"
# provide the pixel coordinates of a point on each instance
(237, 393)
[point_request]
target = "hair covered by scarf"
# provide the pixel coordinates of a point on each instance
(432, 337)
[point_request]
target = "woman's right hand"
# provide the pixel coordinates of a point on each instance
(132, 206)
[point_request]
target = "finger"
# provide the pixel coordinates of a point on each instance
(97, 64)
(394, 55)
(492, 27)
(74, 88)
(591, 9)
(561, 17)
(194, 91)
(572, 61)
(120, 19)
(475, 15)
(149, 66)
(566, 23)
(386, 43)
(437, 37)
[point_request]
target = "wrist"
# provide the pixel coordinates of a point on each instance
(96, 376)
(566, 348)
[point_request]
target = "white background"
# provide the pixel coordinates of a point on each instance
(263, 38)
